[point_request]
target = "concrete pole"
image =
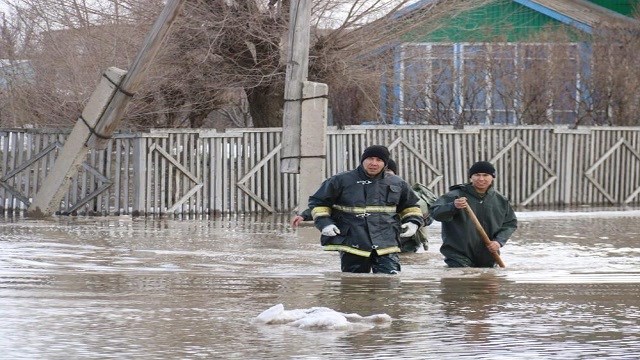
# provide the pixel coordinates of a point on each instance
(102, 115)
(297, 71)
(75, 150)
(313, 134)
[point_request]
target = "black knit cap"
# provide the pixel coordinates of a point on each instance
(391, 165)
(484, 167)
(379, 151)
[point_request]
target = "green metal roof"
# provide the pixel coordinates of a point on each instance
(624, 7)
(502, 20)
(507, 20)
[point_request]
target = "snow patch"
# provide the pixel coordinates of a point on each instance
(322, 318)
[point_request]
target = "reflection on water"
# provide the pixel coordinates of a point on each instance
(122, 288)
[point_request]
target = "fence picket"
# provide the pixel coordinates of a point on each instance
(237, 171)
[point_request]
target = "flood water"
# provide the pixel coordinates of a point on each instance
(123, 288)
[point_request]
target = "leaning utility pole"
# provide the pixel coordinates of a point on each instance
(101, 116)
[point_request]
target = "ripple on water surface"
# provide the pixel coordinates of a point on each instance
(86, 288)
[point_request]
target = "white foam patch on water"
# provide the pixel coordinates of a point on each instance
(320, 318)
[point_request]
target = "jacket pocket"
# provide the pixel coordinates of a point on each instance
(393, 195)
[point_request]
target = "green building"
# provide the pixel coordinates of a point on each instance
(480, 66)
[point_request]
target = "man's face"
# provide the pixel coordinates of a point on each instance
(373, 165)
(481, 182)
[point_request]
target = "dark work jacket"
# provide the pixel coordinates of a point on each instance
(368, 211)
(306, 215)
(460, 239)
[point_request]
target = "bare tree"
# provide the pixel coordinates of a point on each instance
(614, 86)
(219, 52)
(549, 80)
(67, 45)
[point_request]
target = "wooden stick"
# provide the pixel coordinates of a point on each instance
(483, 235)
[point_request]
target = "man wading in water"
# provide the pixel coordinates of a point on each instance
(462, 246)
(361, 213)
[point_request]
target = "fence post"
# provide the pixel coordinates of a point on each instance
(313, 145)
(139, 175)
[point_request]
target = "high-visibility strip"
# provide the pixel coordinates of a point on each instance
(365, 209)
(349, 249)
(389, 250)
(411, 211)
(320, 211)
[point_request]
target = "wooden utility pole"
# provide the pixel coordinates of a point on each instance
(101, 116)
(297, 71)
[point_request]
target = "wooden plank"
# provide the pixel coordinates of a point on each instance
(205, 160)
(86, 183)
(149, 183)
(30, 161)
(260, 164)
(181, 152)
(13, 194)
(27, 176)
(180, 202)
(197, 163)
(4, 143)
(219, 176)
(19, 178)
(119, 154)
(126, 176)
(139, 177)
(100, 166)
(285, 188)
(251, 141)
(164, 175)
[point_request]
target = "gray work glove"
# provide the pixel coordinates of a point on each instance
(409, 229)
(330, 230)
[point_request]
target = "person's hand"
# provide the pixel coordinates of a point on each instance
(493, 247)
(296, 221)
(330, 230)
(409, 229)
(460, 203)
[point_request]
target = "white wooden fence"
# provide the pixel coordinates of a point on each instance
(192, 172)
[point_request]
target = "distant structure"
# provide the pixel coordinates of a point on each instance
(443, 73)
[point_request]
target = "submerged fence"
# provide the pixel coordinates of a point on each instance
(190, 172)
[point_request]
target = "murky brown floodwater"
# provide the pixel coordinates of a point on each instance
(122, 288)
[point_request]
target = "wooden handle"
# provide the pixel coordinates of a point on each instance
(483, 235)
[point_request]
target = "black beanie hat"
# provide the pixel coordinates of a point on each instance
(484, 167)
(379, 151)
(391, 165)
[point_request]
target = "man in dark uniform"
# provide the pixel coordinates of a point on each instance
(462, 246)
(361, 213)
